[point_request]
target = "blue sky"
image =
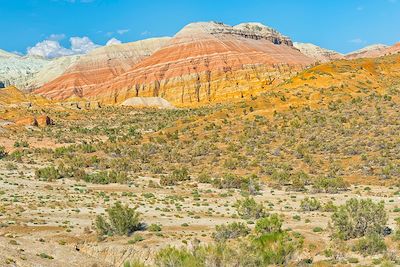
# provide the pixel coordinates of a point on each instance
(342, 25)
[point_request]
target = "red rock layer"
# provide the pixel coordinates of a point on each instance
(203, 62)
(100, 65)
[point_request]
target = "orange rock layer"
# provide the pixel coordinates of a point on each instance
(100, 65)
(202, 63)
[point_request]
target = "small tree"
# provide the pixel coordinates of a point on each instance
(276, 248)
(48, 174)
(230, 231)
(122, 220)
(248, 208)
(270, 224)
(357, 218)
(371, 244)
(310, 204)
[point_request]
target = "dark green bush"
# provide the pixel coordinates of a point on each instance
(329, 185)
(48, 174)
(357, 218)
(310, 204)
(248, 208)
(269, 224)
(230, 231)
(371, 244)
(122, 220)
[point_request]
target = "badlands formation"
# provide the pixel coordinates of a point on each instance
(99, 66)
(283, 150)
(202, 63)
(205, 62)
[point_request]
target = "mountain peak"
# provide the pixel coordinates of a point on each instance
(318, 53)
(249, 30)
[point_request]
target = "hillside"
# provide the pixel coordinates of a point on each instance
(204, 62)
(317, 53)
(99, 66)
(13, 96)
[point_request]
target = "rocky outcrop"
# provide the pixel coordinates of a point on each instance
(317, 53)
(147, 102)
(80, 104)
(204, 62)
(39, 121)
(99, 66)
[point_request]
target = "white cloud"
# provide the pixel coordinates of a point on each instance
(113, 41)
(145, 33)
(51, 48)
(56, 37)
(123, 31)
(82, 45)
(357, 41)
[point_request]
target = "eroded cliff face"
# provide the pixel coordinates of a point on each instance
(204, 62)
(100, 65)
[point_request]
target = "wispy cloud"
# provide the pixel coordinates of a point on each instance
(357, 41)
(145, 33)
(56, 37)
(123, 31)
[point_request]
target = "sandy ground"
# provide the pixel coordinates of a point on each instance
(54, 219)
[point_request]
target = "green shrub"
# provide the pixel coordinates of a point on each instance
(270, 224)
(178, 175)
(357, 218)
(329, 207)
(105, 177)
(173, 257)
(370, 245)
(154, 228)
(136, 238)
(329, 185)
(276, 248)
(48, 174)
(230, 231)
(204, 178)
(397, 233)
(248, 208)
(317, 229)
(353, 260)
(122, 220)
(310, 204)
